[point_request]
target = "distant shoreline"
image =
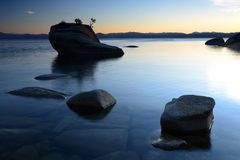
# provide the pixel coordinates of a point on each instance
(127, 35)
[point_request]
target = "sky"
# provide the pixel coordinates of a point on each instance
(36, 16)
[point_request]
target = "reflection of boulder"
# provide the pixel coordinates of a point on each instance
(80, 40)
(216, 42)
(189, 118)
(77, 68)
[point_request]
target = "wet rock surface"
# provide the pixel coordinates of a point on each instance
(50, 76)
(38, 92)
(169, 144)
(92, 102)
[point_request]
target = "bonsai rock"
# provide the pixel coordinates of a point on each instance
(79, 40)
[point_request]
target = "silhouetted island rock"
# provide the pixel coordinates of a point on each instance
(234, 41)
(70, 39)
(50, 76)
(188, 114)
(131, 46)
(216, 42)
(92, 102)
(38, 92)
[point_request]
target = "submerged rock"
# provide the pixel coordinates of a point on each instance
(50, 76)
(93, 142)
(38, 92)
(119, 156)
(169, 144)
(188, 114)
(79, 40)
(25, 152)
(216, 42)
(92, 102)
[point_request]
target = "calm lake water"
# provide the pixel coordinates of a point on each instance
(142, 81)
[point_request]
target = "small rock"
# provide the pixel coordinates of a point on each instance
(119, 156)
(92, 102)
(50, 76)
(216, 42)
(169, 144)
(131, 46)
(38, 92)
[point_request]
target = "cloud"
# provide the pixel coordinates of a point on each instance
(228, 5)
(29, 12)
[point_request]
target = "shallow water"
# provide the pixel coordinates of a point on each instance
(142, 81)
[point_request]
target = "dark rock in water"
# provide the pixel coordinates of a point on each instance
(131, 46)
(188, 114)
(169, 144)
(234, 40)
(216, 42)
(50, 76)
(80, 40)
(38, 92)
(92, 102)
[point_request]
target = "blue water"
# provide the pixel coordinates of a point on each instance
(142, 81)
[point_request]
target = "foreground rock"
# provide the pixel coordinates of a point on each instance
(79, 40)
(92, 102)
(216, 42)
(93, 142)
(38, 92)
(50, 76)
(169, 144)
(188, 114)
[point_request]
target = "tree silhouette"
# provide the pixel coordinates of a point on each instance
(78, 21)
(92, 21)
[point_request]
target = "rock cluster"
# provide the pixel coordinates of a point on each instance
(185, 119)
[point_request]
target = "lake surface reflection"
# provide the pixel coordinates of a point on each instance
(142, 81)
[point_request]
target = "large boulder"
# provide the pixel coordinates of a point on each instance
(92, 102)
(216, 42)
(188, 114)
(70, 39)
(233, 40)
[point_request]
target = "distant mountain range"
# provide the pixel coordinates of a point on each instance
(127, 35)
